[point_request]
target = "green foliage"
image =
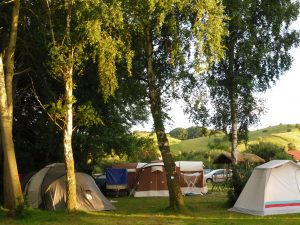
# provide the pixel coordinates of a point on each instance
(97, 33)
(21, 209)
(195, 132)
(257, 53)
(219, 143)
(179, 133)
(144, 150)
(205, 156)
(190, 132)
(202, 22)
(86, 115)
(292, 146)
(240, 176)
(268, 151)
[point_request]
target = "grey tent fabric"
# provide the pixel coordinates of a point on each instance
(55, 171)
(47, 189)
(89, 197)
(273, 188)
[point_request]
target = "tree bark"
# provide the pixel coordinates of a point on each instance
(68, 152)
(176, 201)
(9, 62)
(68, 126)
(234, 130)
(12, 188)
(232, 90)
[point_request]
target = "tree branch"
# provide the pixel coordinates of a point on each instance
(24, 71)
(50, 21)
(43, 107)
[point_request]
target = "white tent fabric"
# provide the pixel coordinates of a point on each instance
(273, 188)
(188, 166)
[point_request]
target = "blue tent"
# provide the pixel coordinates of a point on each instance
(116, 176)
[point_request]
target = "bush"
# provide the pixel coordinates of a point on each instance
(220, 143)
(268, 151)
(292, 146)
(179, 133)
(240, 176)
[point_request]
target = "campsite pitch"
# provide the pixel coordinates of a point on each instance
(204, 210)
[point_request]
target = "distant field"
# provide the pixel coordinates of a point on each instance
(281, 135)
(172, 141)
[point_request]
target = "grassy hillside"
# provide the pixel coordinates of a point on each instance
(172, 141)
(281, 135)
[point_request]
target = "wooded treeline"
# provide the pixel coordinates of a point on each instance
(84, 72)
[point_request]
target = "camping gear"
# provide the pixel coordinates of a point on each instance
(273, 188)
(131, 172)
(192, 177)
(117, 180)
(149, 179)
(47, 189)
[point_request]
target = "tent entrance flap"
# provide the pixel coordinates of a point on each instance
(190, 179)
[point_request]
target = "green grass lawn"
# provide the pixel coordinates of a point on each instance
(207, 209)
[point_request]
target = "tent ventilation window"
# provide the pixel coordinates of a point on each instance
(88, 194)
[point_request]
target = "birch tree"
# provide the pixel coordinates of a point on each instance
(81, 31)
(12, 188)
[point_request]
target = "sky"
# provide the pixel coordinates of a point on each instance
(282, 101)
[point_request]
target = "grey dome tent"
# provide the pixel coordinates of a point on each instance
(47, 189)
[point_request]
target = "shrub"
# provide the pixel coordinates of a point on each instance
(206, 157)
(268, 151)
(220, 143)
(179, 133)
(240, 176)
(291, 146)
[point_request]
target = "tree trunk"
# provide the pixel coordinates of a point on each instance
(12, 188)
(234, 130)
(9, 62)
(176, 200)
(68, 152)
(68, 126)
(232, 90)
